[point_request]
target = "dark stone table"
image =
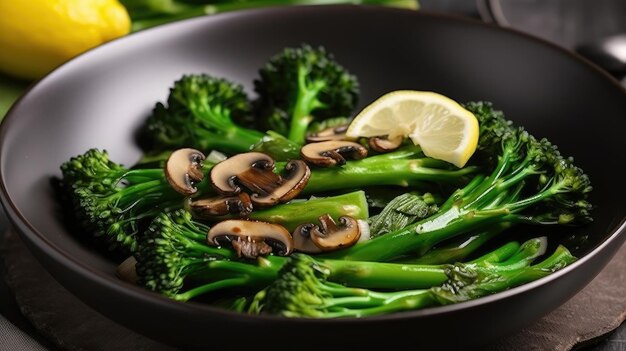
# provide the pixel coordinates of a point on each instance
(567, 23)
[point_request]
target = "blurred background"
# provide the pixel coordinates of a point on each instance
(37, 36)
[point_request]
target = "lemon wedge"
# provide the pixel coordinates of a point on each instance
(439, 125)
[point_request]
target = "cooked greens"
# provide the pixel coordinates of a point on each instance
(288, 216)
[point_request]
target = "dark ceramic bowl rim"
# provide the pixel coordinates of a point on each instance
(37, 238)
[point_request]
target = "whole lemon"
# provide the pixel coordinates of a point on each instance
(36, 36)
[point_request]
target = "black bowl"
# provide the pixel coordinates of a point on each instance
(100, 98)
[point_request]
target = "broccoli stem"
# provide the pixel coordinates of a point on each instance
(366, 274)
(408, 276)
(381, 170)
(458, 250)
(409, 301)
(297, 212)
(234, 139)
(421, 236)
(306, 102)
(207, 288)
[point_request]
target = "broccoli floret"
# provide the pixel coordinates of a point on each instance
(172, 248)
(199, 113)
(300, 85)
(466, 283)
(110, 201)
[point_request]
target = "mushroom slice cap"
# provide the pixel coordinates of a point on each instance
(329, 236)
(274, 235)
(215, 206)
(183, 168)
(332, 133)
(126, 270)
(224, 174)
(385, 145)
(302, 239)
(332, 153)
(288, 187)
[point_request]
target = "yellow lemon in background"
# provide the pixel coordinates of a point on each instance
(36, 36)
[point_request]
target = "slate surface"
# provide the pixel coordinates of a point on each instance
(71, 325)
(584, 317)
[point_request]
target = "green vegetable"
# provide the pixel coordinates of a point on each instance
(10, 90)
(199, 114)
(300, 85)
(318, 126)
(172, 248)
(432, 218)
(277, 146)
(303, 288)
(297, 212)
(402, 211)
(458, 250)
(405, 167)
(530, 183)
(173, 254)
(149, 13)
(109, 200)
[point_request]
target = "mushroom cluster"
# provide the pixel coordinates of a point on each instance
(251, 239)
(253, 172)
(379, 144)
(247, 181)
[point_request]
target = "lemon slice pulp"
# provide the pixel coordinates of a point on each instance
(439, 125)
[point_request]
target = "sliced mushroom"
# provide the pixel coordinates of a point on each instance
(126, 270)
(289, 186)
(329, 236)
(251, 239)
(184, 168)
(215, 206)
(332, 153)
(381, 144)
(224, 175)
(332, 133)
(302, 239)
(254, 172)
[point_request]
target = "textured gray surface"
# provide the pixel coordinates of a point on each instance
(595, 311)
(12, 338)
(59, 316)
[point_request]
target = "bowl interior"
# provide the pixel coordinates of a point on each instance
(100, 98)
